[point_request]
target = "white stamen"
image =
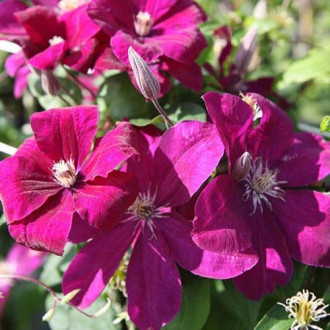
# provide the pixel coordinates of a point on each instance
(65, 173)
(144, 210)
(305, 309)
(260, 183)
(55, 40)
(68, 5)
(143, 23)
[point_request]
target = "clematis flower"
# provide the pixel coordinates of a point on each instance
(51, 39)
(170, 171)
(164, 33)
(258, 203)
(52, 190)
(20, 261)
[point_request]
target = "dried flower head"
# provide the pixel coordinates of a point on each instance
(305, 309)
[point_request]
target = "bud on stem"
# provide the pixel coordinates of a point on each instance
(146, 80)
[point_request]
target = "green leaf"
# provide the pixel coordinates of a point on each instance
(275, 319)
(195, 304)
(67, 318)
(119, 98)
(141, 122)
(325, 124)
(187, 111)
(55, 266)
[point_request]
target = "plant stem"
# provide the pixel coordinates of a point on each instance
(78, 82)
(57, 299)
(5, 148)
(162, 112)
(64, 100)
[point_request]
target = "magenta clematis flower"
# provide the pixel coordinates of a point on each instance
(170, 170)
(52, 190)
(164, 33)
(20, 261)
(258, 204)
(52, 39)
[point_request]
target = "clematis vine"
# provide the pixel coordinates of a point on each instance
(265, 201)
(170, 169)
(20, 261)
(53, 189)
(164, 33)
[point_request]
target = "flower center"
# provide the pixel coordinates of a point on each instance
(67, 5)
(143, 23)
(260, 182)
(65, 173)
(55, 40)
(257, 112)
(305, 308)
(144, 210)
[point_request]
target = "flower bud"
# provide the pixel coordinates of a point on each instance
(246, 49)
(145, 79)
(69, 296)
(49, 82)
(48, 316)
(242, 167)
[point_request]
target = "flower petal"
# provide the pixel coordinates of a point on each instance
(46, 229)
(221, 218)
(114, 148)
(26, 181)
(66, 133)
(153, 282)
(233, 119)
(274, 266)
(203, 263)
(186, 156)
(103, 201)
(93, 266)
(49, 58)
(306, 162)
(265, 139)
(304, 219)
(112, 15)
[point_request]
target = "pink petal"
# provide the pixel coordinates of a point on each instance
(35, 19)
(186, 156)
(189, 75)
(46, 229)
(146, 143)
(23, 261)
(21, 81)
(14, 62)
(274, 266)
(49, 58)
(203, 263)
(93, 266)
(233, 119)
(25, 182)
(150, 51)
(66, 133)
(81, 231)
(78, 25)
(103, 201)
(304, 219)
(155, 8)
(114, 148)
(306, 162)
(274, 134)
(153, 283)
(182, 45)
(9, 27)
(221, 218)
(112, 15)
